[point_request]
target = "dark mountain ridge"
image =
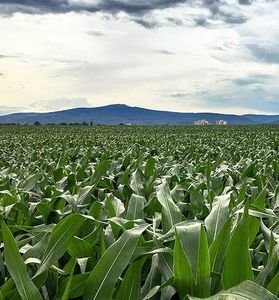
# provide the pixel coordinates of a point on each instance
(120, 113)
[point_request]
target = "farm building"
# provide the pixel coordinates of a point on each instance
(201, 122)
(221, 122)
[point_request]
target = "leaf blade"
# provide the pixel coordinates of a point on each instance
(17, 267)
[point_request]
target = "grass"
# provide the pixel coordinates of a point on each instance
(116, 212)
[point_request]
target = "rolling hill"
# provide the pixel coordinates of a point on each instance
(120, 113)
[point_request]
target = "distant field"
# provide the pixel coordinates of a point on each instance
(150, 212)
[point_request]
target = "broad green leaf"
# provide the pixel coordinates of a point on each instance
(273, 285)
(115, 206)
(271, 267)
(218, 216)
(7, 287)
(218, 250)
(17, 268)
(149, 169)
(136, 184)
(130, 286)
(77, 288)
(219, 247)
(135, 207)
(247, 290)
(29, 183)
(152, 293)
(84, 195)
(269, 236)
(153, 278)
(79, 248)
(254, 223)
(237, 265)
(170, 212)
(100, 284)
(59, 240)
(38, 249)
(189, 235)
(50, 281)
(165, 266)
(100, 171)
(202, 288)
(70, 199)
(183, 276)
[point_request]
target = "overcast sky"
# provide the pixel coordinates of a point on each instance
(180, 55)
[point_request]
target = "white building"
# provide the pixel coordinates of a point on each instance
(221, 122)
(201, 122)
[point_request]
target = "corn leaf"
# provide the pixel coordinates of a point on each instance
(171, 214)
(247, 290)
(218, 216)
(131, 284)
(237, 265)
(100, 284)
(59, 240)
(17, 267)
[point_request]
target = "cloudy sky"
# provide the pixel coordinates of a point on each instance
(180, 55)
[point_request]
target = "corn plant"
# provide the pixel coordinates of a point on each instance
(159, 212)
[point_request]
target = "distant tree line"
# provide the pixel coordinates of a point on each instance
(37, 123)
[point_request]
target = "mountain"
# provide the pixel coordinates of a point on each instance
(263, 118)
(120, 113)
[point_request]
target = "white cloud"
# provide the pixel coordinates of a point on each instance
(5, 110)
(58, 104)
(177, 65)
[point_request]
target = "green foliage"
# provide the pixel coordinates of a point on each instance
(128, 212)
(17, 268)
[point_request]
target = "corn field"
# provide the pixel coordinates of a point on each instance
(127, 212)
